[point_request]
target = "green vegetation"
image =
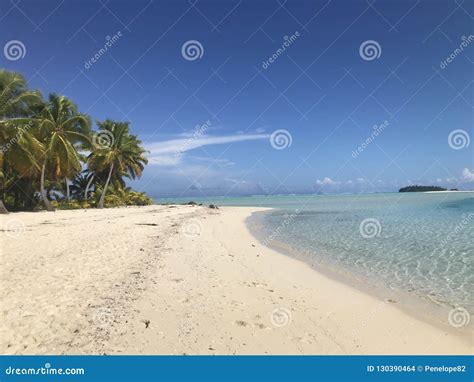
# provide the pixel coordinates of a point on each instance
(122, 156)
(417, 188)
(50, 157)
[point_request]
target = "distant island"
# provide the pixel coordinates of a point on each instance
(417, 188)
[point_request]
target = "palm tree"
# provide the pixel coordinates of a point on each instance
(18, 160)
(64, 132)
(19, 148)
(16, 100)
(124, 155)
(81, 184)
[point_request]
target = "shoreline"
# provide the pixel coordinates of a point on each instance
(430, 311)
(184, 280)
(448, 191)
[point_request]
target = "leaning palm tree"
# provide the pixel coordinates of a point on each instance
(19, 149)
(122, 155)
(64, 132)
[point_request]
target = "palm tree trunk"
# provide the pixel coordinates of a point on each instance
(102, 197)
(3, 209)
(68, 195)
(87, 187)
(46, 202)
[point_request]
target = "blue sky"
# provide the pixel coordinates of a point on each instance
(209, 121)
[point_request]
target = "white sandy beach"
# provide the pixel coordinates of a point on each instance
(183, 280)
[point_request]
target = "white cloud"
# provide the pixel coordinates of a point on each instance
(468, 175)
(177, 146)
(174, 167)
(164, 160)
(325, 182)
(170, 153)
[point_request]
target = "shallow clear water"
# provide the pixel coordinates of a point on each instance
(422, 243)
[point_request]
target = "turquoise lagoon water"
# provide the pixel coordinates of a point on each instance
(420, 243)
